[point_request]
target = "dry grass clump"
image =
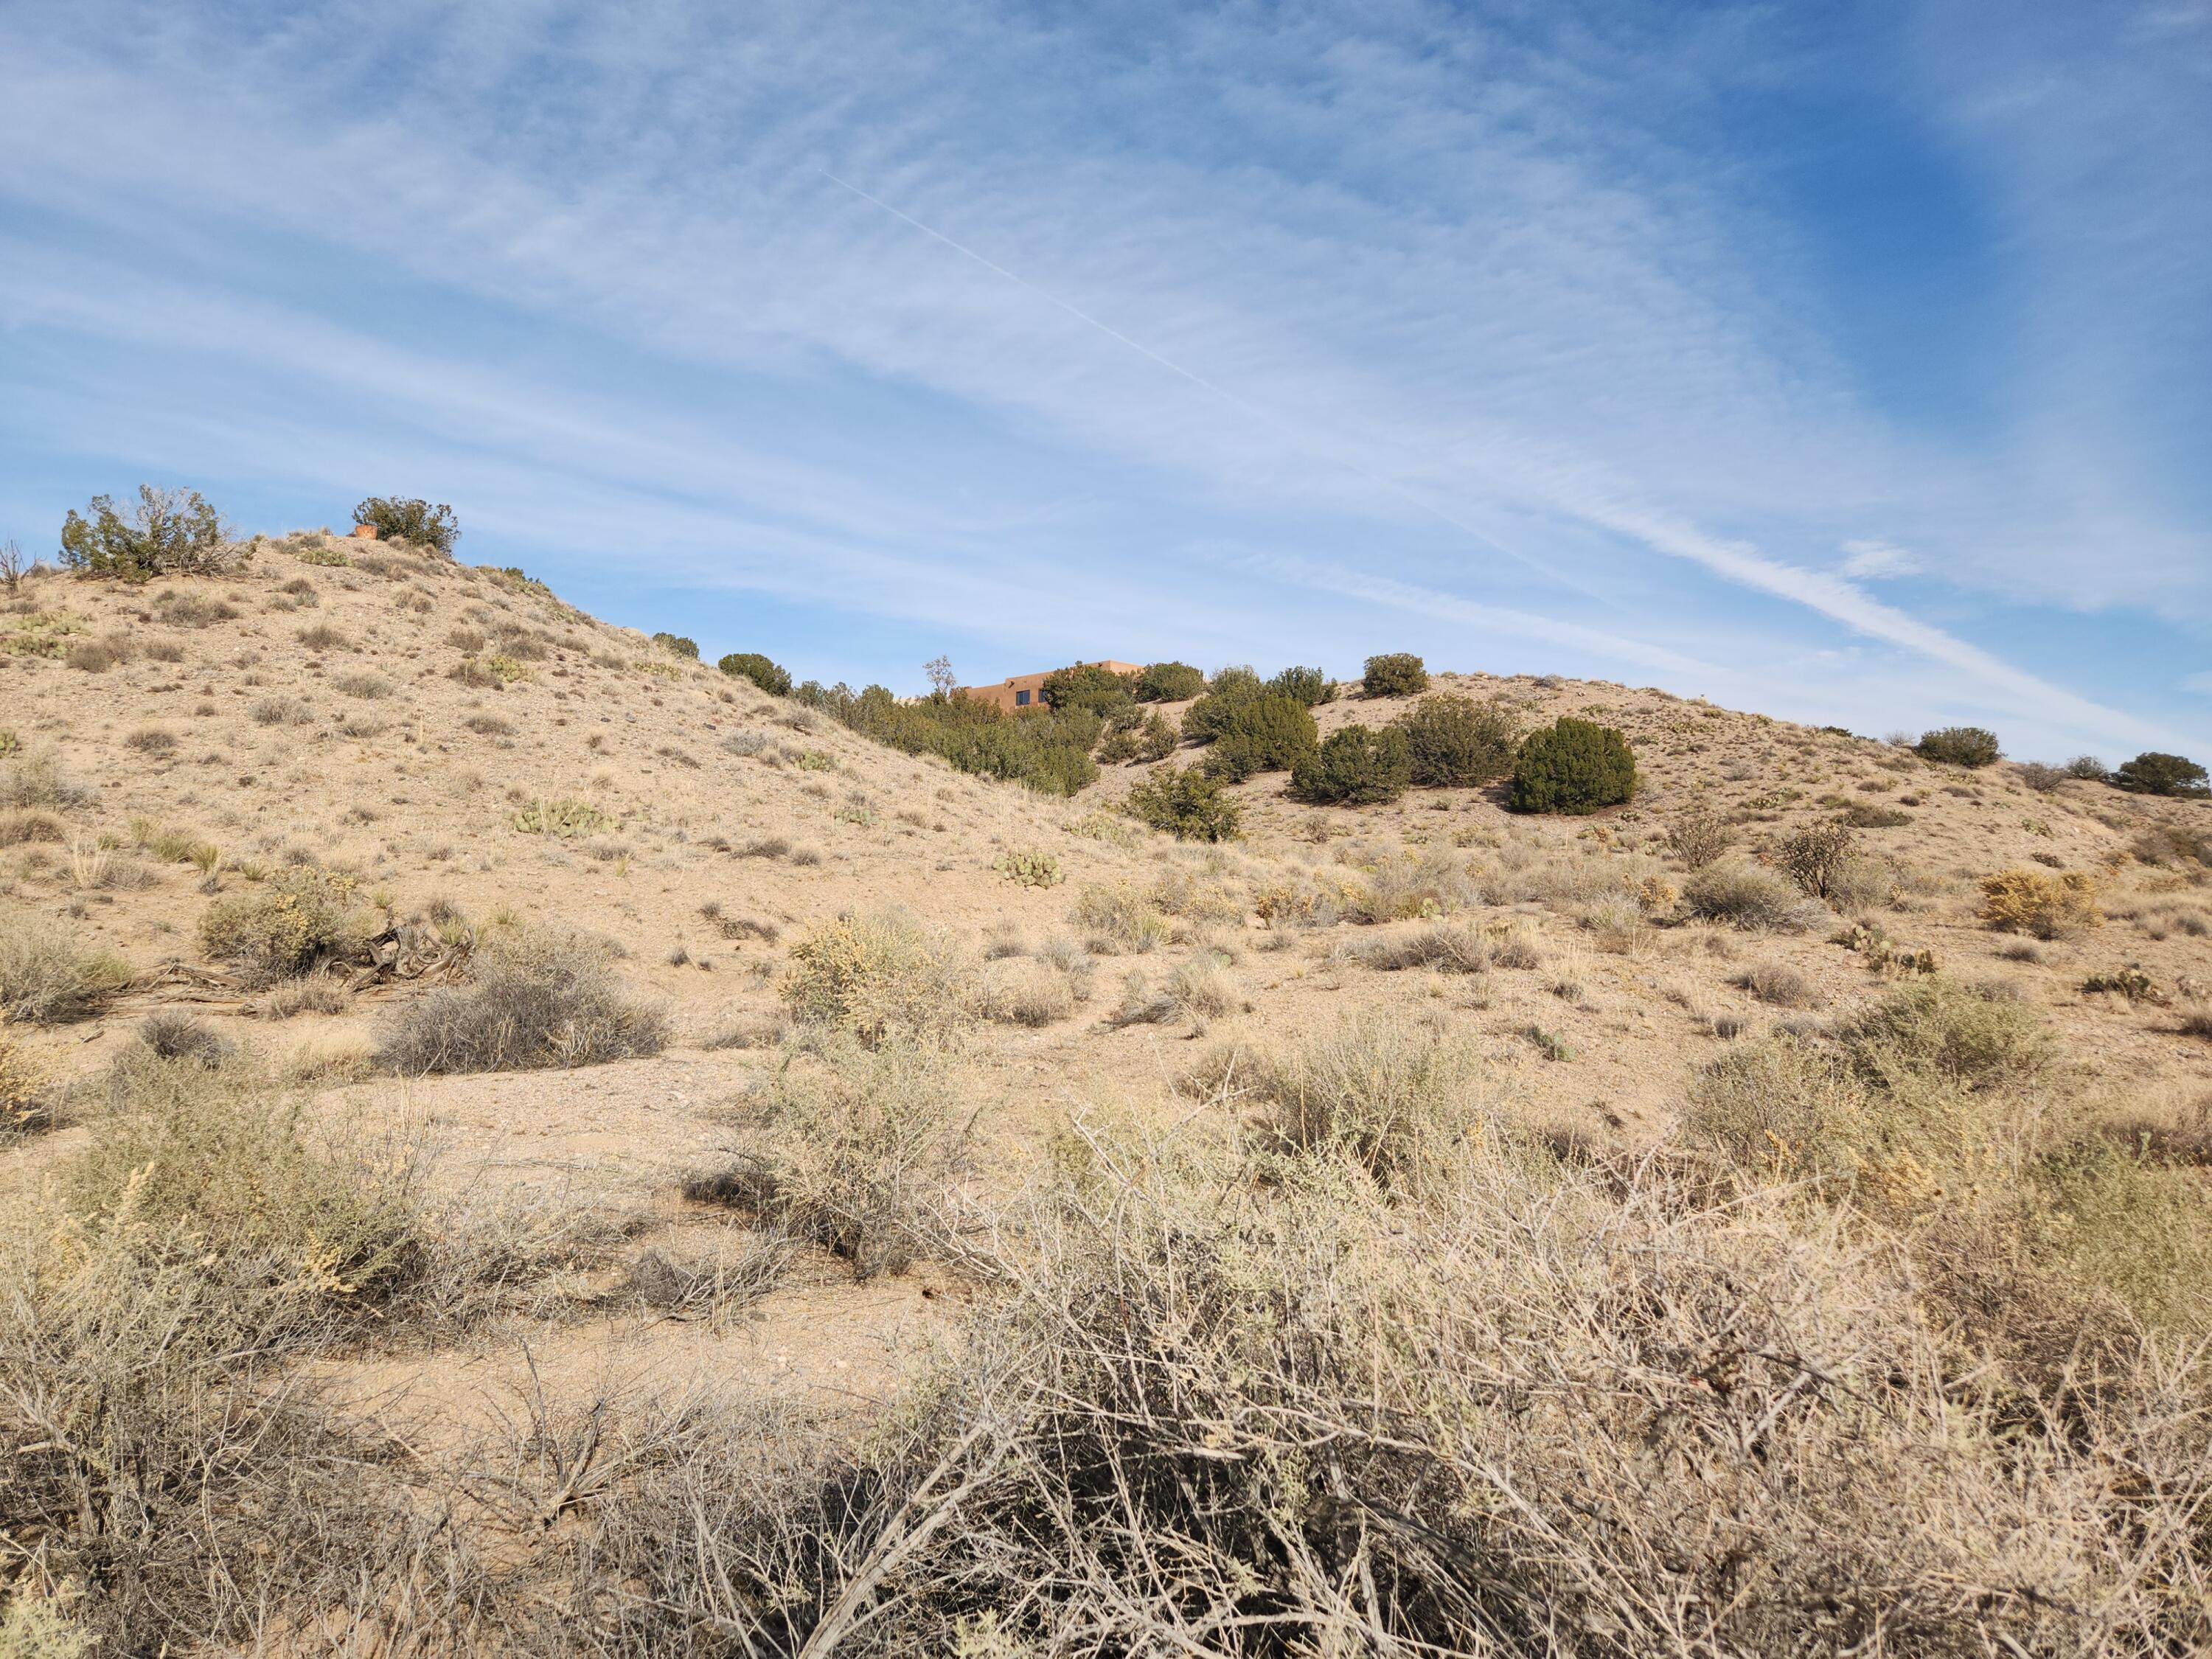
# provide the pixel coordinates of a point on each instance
(880, 976)
(45, 980)
(150, 740)
(1447, 947)
(280, 710)
(299, 920)
(1750, 896)
(363, 684)
(2045, 905)
(191, 610)
(1381, 1093)
(1119, 920)
(1926, 1091)
(1430, 883)
(173, 1034)
(1198, 992)
(853, 1149)
(1199, 893)
(535, 998)
(1019, 990)
(204, 1151)
(18, 828)
(321, 637)
(38, 781)
(1783, 986)
(314, 994)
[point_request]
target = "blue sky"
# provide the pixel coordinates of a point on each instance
(1853, 363)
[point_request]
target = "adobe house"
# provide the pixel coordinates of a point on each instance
(1027, 691)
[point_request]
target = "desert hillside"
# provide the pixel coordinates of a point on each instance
(716, 1053)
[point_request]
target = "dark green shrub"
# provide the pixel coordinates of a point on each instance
(1119, 746)
(2151, 773)
(1309, 687)
(1395, 674)
(1086, 685)
(1572, 766)
(1355, 766)
(1266, 733)
(1458, 743)
(678, 644)
(751, 665)
(403, 519)
(2087, 766)
(171, 532)
(1958, 745)
(1186, 803)
(1210, 716)
(1153, 739)
(1169, 682)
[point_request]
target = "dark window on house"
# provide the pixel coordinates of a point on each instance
(1021, 699)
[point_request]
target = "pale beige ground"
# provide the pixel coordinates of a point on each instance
(401, 790)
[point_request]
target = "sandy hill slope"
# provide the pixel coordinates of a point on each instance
(461, 756)
(413, 723)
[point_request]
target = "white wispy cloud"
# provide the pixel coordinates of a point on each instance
(1868, 560)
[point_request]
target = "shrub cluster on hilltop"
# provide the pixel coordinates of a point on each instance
(1958, 745)
(770, 676)
(2153, 773)
(1169, 682)
(170, 532)
(408, 518)
(1395, 674)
